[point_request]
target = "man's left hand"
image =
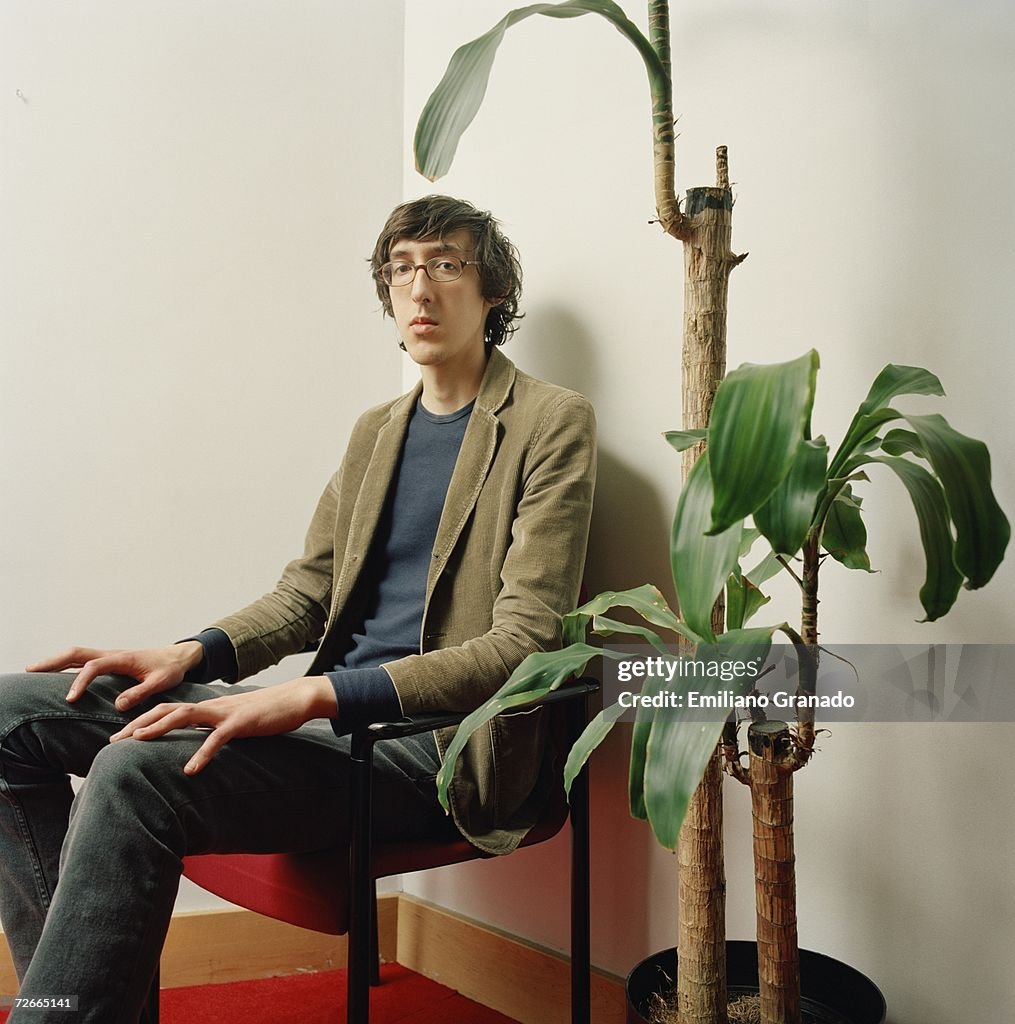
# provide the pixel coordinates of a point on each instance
(265, 712)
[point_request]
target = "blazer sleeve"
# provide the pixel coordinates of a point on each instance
(541, 574)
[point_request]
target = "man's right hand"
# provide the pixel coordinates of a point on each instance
(156, 670)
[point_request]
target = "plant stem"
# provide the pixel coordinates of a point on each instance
(701, 941)
(708, 260)
(667, 207)
(772, 764)
(809, 636)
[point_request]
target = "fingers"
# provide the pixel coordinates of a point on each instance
(92, 668)
(216, 740)
(164, 718)
(73, 657)
(167, 717)
(155, 683)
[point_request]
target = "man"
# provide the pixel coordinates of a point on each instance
(441, 553)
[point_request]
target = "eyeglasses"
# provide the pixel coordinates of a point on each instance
(439, 269)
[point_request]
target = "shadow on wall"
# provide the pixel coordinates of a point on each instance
(629, 540)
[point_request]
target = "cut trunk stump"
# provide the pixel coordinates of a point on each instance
(706, 232)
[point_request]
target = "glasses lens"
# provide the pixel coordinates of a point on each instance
(444, 268)
(397, 273)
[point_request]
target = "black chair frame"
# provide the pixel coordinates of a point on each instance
(363, 958)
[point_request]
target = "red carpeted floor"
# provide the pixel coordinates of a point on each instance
(320, 999)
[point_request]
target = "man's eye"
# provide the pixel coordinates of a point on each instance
(447, 265)
(401, 269)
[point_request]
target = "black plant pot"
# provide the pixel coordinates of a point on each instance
(831, 992)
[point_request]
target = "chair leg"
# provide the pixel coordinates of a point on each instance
(358, 978)
(581, 970)
(150, 1011)
(375, 953)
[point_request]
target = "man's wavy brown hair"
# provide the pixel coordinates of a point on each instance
(436, 217)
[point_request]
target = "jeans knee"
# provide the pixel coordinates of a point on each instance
(142, 767)
(23, 694)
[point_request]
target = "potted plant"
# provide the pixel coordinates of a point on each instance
(703, 225)
(762, 462)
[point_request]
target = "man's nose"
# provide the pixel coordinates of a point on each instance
(421, 285)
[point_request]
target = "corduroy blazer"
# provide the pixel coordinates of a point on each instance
(507, 563)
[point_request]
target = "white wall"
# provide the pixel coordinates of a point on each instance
(870, 147)
(187, 324)
(187, 193)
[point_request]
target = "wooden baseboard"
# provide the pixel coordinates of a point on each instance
(526, 982)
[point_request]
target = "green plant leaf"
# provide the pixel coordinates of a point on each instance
(895, 380)
(593, 734)
(891, 382)
(858, 440)
(786, 517)
(942, 582)
(684, 439)
(644, 717)
(768, 567)
(535, 676)
(962, 464)
(603, 626)
(700, 563)
(844, 535)
(681, 741)
(648, 601)
(902, 442)
(759, 417)
(743, 599)
(747, 538)
(459, 94)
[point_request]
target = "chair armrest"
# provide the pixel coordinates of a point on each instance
(370, 734)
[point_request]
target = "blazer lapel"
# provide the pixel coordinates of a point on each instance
(373, 492)
(478, 448)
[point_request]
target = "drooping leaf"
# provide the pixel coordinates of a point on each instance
(902, 442)
(743, 599)
(604, 626)
(684, 439)
(747, 538)
(962, 464)
(644, 716)
(759, 417)
(535, 676)
(786, 517)
(681, 740)
(459, 94)
(700, 563)
(768, 567)
(942, 582)
(895, 380)
(593, 734)
(858, 440)
(891, 382)
(647, 600)
(844, 535)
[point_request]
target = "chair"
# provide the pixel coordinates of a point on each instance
(307, 890)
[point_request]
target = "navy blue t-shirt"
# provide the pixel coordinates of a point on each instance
(398, 563)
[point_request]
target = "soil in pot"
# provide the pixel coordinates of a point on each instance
(831, 992)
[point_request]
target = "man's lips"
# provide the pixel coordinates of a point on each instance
(421, 326)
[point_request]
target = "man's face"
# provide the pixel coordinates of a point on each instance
(441, 323)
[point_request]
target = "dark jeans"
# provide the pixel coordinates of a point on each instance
(116, 846)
